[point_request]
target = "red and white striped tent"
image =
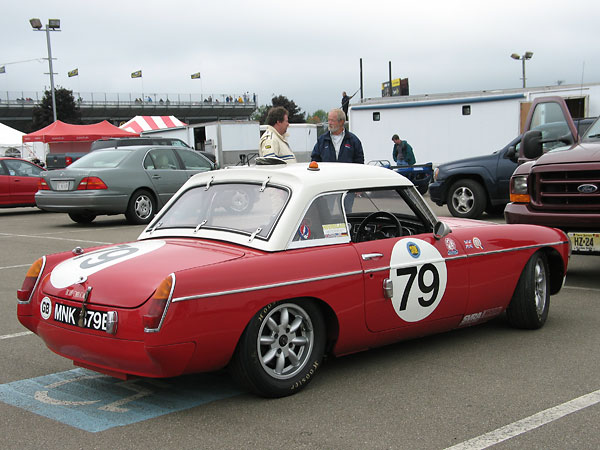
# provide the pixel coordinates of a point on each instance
(148, 123)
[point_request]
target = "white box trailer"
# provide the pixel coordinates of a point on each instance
(446, 127)
(227, 139)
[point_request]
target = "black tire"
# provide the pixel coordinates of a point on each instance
(466, 199)
(422, 188)
(530, 303)
(141, 208)
(278, 356)
(82, 217)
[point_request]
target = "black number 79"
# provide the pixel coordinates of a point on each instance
(423, 287)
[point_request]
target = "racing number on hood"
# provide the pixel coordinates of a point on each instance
(418, 272)
(72, 270)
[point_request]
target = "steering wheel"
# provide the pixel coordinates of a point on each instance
(362, 234)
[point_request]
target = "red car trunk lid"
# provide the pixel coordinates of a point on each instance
(126, 275)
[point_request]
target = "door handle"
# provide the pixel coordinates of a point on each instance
(155, 177)
(369, 256)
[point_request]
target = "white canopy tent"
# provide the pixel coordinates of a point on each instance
(13, 139)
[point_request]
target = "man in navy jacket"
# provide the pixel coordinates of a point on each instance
(338, 145)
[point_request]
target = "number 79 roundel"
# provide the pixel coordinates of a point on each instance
(419, 275)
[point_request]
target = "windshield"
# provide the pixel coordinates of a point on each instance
(237, 207)
(100, 160)
(593, 133)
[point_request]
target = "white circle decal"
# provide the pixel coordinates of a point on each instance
(80, 267)
(45, 308)
(418, 273)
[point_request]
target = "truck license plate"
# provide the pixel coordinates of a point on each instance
(585, 242)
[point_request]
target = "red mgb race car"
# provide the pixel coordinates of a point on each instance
(266, 269)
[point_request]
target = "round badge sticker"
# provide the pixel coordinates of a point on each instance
(418, 272)
(80, 267)
(45, 308)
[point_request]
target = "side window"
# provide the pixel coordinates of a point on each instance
(193, 161)
(324, 219)
(2, 169)
(160, 159)
(22, 169)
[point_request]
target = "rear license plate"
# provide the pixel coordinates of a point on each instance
(585, 242)
(95, 320)
(62, 185)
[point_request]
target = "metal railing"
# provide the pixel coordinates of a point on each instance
(92, 99)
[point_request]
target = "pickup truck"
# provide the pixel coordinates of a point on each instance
(560, 188)
(471, 186)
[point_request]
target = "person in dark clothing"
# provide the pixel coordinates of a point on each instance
(403, 152)
(345, 102)
(338, 145)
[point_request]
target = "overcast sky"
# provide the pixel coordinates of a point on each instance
(308, 51)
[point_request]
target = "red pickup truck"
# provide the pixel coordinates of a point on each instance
(560, 188)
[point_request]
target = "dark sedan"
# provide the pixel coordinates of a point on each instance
(136, 181)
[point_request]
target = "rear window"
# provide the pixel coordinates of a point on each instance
(100, 160)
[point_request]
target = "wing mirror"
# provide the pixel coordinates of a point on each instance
(531, 144)
(440, 230)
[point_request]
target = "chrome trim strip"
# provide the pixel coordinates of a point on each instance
(346, 274)
(268, 286)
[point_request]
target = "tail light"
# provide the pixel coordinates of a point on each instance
(31, 280)
(89, 183)
(42, 185)
(159, 304)
(68, 160)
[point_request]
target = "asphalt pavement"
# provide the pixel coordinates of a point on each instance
(470, 388)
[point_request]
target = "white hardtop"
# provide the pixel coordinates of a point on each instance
(304, 185)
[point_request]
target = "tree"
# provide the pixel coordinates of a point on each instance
(295, 114)
(66, 109)
(319, 116)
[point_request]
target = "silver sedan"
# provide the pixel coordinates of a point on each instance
(136, 181)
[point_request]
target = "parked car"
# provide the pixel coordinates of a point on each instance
(146, 140)
(333, 258)
(559, 188)
(419, 174)
(471, 186)
(19, 180)
(136, 181)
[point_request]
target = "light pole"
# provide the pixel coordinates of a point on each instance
(53, 25)
(525, 57)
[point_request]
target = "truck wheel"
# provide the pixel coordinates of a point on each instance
(281, 349)
(466, 199)
(141, 208)
(530, 303)
(82, 217)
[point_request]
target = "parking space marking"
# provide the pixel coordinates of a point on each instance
(54, 237)
(94, 402)
(8, 336)
(581, 288)
(15, 267)
(529, 423)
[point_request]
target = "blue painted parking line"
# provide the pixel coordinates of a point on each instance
(94, 402)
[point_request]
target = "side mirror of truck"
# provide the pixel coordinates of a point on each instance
(531, 144)
(511, 154)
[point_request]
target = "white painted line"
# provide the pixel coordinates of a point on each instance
(8, 336)
(529, 423)
(55, 238)
(15, 267)
(581, 288)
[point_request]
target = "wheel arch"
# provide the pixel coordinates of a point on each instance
(556, 267)
(475, 176)
(146, 188)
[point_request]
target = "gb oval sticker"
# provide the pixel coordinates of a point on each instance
(418, 272)
(80, 267)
